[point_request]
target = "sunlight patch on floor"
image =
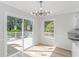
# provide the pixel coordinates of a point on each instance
(40, 51)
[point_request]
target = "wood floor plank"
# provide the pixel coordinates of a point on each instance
(63, 52)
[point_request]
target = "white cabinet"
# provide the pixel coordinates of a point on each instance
(75, 49)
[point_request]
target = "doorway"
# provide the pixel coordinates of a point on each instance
(19, 35)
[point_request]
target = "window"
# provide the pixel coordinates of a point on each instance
(49, 28)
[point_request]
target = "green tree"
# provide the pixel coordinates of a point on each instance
(26, 24)
(14, 21)
(49, 26)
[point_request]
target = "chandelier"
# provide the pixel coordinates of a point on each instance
(41, 11)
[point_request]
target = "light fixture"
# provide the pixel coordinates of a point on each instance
(41, 11)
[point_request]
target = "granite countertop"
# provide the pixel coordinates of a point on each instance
(74, 39)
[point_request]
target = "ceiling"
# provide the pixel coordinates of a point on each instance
(57, 7)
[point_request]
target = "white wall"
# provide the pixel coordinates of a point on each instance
(76, 20)
(63, 24)
(1, 33)
(36, 29)
(43, 39)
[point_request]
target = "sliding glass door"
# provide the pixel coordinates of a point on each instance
(14, 35)
(19, 36)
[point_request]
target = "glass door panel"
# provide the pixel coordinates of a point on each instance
(27, 33)
(14, 35)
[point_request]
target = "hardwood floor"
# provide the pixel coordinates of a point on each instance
(60, 52)
(42, 50)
